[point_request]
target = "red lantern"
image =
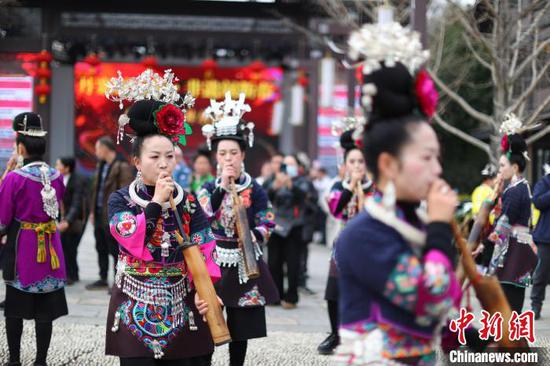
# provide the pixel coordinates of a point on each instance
(92, 59)
(209, 63)
(256, 66)
(149, 61)
(302, 80)
(44, 56)
(44, 73)
(42, 89)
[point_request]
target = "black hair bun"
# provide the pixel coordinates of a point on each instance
(394, 92)
(346, 140)
(517, 144)
(141, 117)
(33, 122)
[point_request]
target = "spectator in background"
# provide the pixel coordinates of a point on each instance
(276, 163)
(311, 211)
(182, 172)
(74, 215)
(541, 236)
(202, 171)
(112, 174)
(288, 192)
(322, 183)
(485, 189)
(266, 172)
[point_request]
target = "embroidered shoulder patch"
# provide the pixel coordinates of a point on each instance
(436, 278)
(125, 223)
(402, 284)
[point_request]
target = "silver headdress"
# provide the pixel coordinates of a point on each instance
(385, 42)
(146, 86)
(511, 125)
(33, 131)
(226, 119)
(339, 126)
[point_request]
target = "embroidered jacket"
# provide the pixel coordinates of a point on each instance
(217, 206)
(393, 291)
(343, 203)
(139, 231)
(32, 259)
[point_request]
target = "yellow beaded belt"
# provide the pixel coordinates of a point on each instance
(42, 229)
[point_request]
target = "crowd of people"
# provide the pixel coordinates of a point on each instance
(392, 280)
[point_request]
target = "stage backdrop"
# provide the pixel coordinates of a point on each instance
(96, 116)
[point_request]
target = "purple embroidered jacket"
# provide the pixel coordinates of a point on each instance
(21, 206)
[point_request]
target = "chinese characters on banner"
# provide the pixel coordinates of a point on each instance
(96, 116)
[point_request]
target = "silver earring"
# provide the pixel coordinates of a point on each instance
(139, 181)
(242, 167)
(388, 200)
(20, 160)
(218, 170)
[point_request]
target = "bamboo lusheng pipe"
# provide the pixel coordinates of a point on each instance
(487, 289)
(360, 196)
(245, 236)
(201, 278)
(480, 222)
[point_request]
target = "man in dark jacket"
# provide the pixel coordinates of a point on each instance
(111, 175)
(288, 192)
(74, 215)
(541, 236)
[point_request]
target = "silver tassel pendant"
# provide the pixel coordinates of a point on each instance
(116, 322)
(157, 349)
(192, 326)
(49, 198)
(165, 245)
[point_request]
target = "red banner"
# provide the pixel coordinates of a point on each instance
(96, 116)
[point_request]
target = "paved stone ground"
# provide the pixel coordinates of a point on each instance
(293, 335)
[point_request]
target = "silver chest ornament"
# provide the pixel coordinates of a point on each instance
(49, 199)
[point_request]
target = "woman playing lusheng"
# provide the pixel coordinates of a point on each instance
(344, 203)
(514, 256)
(152, 318)
(244, 298)
(395, 261)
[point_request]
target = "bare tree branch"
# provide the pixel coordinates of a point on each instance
(534, 83)
(476, 54)
(516, 50)
(528, 59)
(531, 8)
(538, 135)
(463, 135)
(361, 7)
(534, 25)
(533, 117)
(440, 43)
(473, 31)
(461, 101)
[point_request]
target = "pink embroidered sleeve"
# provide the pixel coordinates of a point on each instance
(129, 231)
(426, 287)
(333, 199)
